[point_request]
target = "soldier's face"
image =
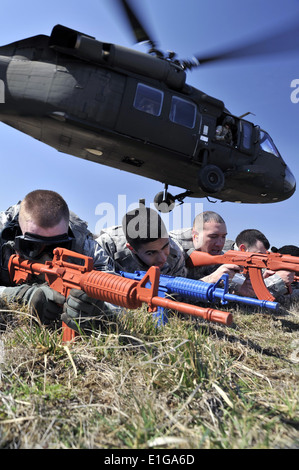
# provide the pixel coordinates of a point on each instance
(39, 242)
(259, 247)
(211, 239)
(154, 253)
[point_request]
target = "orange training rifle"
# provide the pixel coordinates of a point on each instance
(253, 263)
(63, 275)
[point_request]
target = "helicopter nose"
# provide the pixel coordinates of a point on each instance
(289, 184)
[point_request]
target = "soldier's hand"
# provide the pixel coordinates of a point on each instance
(230, 269)
(81, 312)
(42, 301)
(287, 276)
(46, 303)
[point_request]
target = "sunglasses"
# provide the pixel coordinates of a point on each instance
(32, 246)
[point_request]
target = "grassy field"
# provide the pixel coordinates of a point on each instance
(188, 385)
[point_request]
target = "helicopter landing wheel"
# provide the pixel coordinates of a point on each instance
(211, 179)
(164, 202)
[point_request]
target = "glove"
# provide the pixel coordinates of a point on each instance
(47, 303)
(40, 298)
(81, 312)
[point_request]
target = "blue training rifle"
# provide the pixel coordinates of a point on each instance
(199, 291)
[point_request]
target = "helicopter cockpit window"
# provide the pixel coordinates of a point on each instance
(182, 112)
(267, 144)
(148, 99)
(246, 135)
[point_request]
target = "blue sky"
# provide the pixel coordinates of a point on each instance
(262, 86)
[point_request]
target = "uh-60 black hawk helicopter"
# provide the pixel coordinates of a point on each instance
(134, 111)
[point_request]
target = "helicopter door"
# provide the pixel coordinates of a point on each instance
(245, 141)
(154, 115)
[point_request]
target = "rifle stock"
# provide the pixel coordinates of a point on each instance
(253, 263)
(63, 275)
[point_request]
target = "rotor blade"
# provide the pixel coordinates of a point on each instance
(283, 41)
(139, 30)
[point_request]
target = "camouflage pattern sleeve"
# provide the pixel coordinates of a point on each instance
(176, 261)
(106, 243)
(102, 261)
(275, 285)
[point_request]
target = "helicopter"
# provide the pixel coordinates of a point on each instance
(135, 111)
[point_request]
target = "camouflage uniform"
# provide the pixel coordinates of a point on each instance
(114, 243)
(224, 134)
(276, 286)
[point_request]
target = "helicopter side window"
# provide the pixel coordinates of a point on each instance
(267, 144)
(148, 99)
(182, 112)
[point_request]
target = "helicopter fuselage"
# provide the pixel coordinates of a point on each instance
(134, 112)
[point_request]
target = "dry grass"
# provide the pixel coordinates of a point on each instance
(188, 385)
